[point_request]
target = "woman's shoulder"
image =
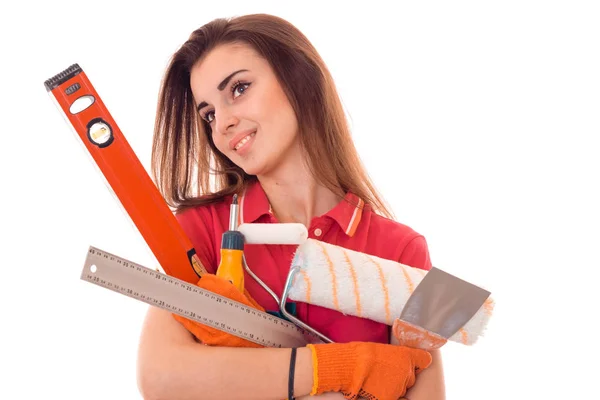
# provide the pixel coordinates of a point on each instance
(204, 216)
(204, 224)
(394, 230)
(398, 241)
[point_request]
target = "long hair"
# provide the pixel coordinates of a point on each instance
(184, 157)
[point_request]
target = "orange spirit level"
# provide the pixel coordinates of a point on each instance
(84, 109)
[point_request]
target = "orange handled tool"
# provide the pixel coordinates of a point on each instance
(130, 182)
(232, 250)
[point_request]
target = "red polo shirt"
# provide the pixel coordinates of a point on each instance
(354, 227)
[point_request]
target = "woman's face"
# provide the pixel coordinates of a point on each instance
(252, 121)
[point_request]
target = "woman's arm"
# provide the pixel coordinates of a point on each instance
(430, 382)
(173, 365)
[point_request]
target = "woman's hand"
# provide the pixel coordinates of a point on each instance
(430, 385)
(212, 336)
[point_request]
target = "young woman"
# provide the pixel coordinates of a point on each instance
(250, 103)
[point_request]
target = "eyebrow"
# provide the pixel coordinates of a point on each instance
(221, 86)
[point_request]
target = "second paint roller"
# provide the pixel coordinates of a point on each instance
(233, 241)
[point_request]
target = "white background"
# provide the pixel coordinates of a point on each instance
(479, 122)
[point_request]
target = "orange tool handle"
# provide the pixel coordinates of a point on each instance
(231, 268)
(127, 177)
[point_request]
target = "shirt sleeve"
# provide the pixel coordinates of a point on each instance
(197, 225)
(416, 254)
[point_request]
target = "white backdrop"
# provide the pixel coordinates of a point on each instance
(477, 120)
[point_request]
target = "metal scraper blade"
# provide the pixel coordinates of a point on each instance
(439, 306)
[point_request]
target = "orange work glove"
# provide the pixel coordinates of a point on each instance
(209, 335)
(363, 369)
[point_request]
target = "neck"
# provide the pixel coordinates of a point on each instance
(295, 195)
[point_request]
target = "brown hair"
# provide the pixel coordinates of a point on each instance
(183, 154)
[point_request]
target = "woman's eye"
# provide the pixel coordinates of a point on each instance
(209, 116)
(239, 88)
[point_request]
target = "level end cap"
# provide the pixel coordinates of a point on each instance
(62, 76)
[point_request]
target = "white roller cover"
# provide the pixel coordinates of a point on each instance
(283, 233)
(358, 284)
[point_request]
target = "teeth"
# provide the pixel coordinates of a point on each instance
(244, 141)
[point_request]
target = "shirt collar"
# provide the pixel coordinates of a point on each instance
(253, 204)
(348, 213)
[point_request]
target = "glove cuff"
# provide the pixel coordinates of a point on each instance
(333, 365)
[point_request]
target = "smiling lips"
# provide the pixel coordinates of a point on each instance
(240, 140)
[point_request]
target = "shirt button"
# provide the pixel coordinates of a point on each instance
(318, 232)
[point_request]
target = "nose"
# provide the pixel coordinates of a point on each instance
(225, 120)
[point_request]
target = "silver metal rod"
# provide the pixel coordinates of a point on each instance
(280, 302)
(284, 296)
(233, 214)
(257, 279)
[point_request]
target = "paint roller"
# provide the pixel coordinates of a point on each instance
(280, 233)
(438, 305)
